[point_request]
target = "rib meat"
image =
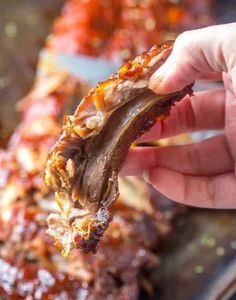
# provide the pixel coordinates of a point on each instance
(83, 165)
(30, 265)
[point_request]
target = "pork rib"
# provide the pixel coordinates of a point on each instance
(83, 165)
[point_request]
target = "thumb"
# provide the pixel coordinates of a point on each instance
(194, 53)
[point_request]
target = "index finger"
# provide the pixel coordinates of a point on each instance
(194, 53)
(204, 111)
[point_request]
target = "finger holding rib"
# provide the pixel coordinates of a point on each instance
(203, 111)
(195, 53)
(209, 157)
(200, 191)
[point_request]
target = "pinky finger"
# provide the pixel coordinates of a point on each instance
(200, 191)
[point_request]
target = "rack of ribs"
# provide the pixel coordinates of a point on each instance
(120, 30)
(31, 266)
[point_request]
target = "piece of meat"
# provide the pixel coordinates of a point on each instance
(28, 254)
(22, 163)
(31, 266)
(83, 165)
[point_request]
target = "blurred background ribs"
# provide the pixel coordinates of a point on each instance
(30, 265)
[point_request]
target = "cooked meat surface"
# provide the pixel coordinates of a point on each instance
(30, 265)
(83, 165)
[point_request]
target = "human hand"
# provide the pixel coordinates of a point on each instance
(201, 174)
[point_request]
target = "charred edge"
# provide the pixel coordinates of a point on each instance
(90, 245)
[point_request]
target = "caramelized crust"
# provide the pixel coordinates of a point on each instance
(30, 265)
(83, 165)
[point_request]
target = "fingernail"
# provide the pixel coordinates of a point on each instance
(156, 82)
(146, 174)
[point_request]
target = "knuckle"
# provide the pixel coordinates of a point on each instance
(230, 133)
(186, 42)
(186, 113)
(183, 39)
(231, 79)
(210, 192)
(185, 195)
(190, 115)
(193, 157)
